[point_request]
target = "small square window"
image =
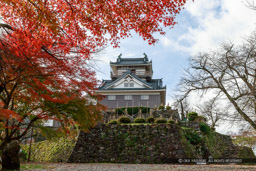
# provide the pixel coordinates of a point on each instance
(126, 84)
(128, 97)
(144, 97)
(131, 84)
(111, 97)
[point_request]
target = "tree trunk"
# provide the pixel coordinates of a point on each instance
(182, 111)
(10, 156)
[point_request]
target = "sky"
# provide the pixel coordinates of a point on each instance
(202, 26)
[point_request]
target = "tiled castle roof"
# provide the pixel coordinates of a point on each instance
(131, 61)
(155, 84)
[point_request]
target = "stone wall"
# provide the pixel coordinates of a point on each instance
(155, 143)
(228, 150)
(129, 144)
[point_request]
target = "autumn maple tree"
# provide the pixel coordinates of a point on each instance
(45, 46)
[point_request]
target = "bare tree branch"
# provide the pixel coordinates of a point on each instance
(230, 70)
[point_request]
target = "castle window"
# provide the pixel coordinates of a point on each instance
(128, 97)
(128, 84)
(144, 97)
(111, 97)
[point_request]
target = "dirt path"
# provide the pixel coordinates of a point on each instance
(145, 167)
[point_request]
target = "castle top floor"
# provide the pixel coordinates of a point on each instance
(140, 67)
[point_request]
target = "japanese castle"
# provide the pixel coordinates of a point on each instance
(132, 85)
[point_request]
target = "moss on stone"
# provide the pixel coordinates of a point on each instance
(190, 150)
(56, 150)
(245, 152)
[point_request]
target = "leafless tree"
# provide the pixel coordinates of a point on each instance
(182, 105)
(251, 4)
(231, 72)
(211, 110)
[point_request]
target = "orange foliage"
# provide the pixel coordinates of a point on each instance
(9, 114)
(85, 23)
(44, 56)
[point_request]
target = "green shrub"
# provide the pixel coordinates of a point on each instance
(150, 120)
(171, 121)
(160, 120)
(192, 116)
(145, 109)
(132, 110)
(161, 107)
(139, 120)
(204, 128)
(192, 136)
(119, 111)
(124, 119)
(168, 107)
(112, 122)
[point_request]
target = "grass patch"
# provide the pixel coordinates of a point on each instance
(55, 150)
(29, 166)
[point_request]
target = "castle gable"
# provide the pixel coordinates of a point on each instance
(129, 81)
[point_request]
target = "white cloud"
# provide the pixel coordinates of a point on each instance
(165, 41)
(231, 20)
(199, 8)
(214, 22)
